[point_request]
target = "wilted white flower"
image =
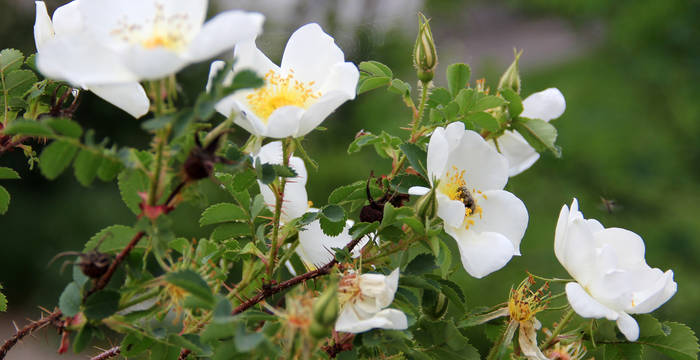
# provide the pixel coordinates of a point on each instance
(312, 81)
(128, 96)
(546, 105)
(612, 277)
(109, 45)
(363, 301)
(486, 221)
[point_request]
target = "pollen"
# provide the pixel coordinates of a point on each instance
(161, 31)
(524, 303)
(455, 187)
(280, 91)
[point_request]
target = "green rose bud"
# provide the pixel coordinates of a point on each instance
(434, 304)
(426, 206)
(325, 312)
(424, 53)
(511, 77)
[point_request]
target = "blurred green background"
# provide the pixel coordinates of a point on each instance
(630, 72)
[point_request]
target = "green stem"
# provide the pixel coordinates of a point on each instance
(219, 129)
(557, 330)
(503, 341)
(139, 299)
(421, 108)
(399, 165)
(155, 181)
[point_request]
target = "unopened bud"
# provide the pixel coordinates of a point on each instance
(426, 206)
(424, 53)
(325, 312)
(511, 77)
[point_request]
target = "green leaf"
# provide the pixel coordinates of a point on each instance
(70, 300)
(266, 173)
(134, 344)
(192, 283)
(86, 165)
(334, 213)
(82, 340)
(28, 128)
(4, 200)
(222, 212)
(439, 96)
(540, 134)
(331, 228)
(18, 82)
(515, 104)
(421, 264)
(102, 304)
(679, 343)
(404, 182)
(131, 182)
(400, 87)
(56, 157)
(8, 174)
(488, 102)
(65, 126)
(457, 77)
(626, 351)
(416, 156)
(112, 239)
(371, 83)
(339, 195)
(246, 341)
(3, 301)
(230, 231)
(485, 121)
(243, 180)
(109, 169)
(375, 68)
(10, 60)
(284, 171)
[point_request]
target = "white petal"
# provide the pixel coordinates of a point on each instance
(67, 19)
(546, 105)
(343, 77)
(379, 289)
(481, 253)
(80, 60)
(349, 321)
(316, 248)
(528, 341)
(319, 111)
(283, 122)
(152, 64)
(103, 17)
(437, 154)
(271, 153)
(503, 213)
(418, 190)
(649, 301)
(560, 233)
(222, 32)
(450, 211)
(628, 326)
(518, 152)
(454, 132)
(627, 246)
(485, 168)
(311, 54)
(578, 254)
(130, 97)
(214, 69)
(585, 305)
(43, 28)
(248, 56)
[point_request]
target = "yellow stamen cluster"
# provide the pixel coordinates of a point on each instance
(298, 311)
(524, 303)
(161, 31)
(481, 86)
(349, 288)
(280, 91)
(455, 187)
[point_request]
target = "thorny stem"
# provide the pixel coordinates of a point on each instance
(279, 200)
(108, 354)
(35, 325)
(557, 330)
(421, 108)
(104, 279)
(153, 191)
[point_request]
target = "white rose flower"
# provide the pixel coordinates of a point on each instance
(312, 81)
(487, 222)
(109, 45)
(364, 299)
(296, 201)
(316, 248)
(612, 277)
(128, 96)
(546, 105)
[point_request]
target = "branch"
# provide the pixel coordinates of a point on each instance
(104, 279)
(35, 325)
(272, 290)
(108, 354)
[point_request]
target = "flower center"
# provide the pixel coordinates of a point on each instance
(349, 289)
(281, 91)
(161, 31)
(524, 303)
(454, 186)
